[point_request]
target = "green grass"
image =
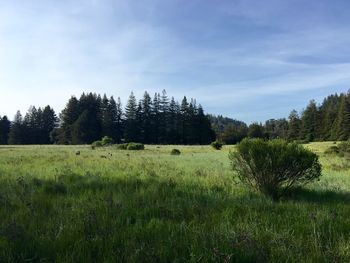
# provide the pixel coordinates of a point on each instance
(109, 205)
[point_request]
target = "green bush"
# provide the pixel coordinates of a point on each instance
(175, 152)
(130, 146)
(216, 145)
(272, 167)
(96, 144)
(135, 146)
(122, 146)
(107, 141)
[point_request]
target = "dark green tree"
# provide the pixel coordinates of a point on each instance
(155, 118)
(147, 118)
(70, 114)
(5, 126)
(163, 117)
(48, 122)
(294, 126)
(343, 119)
(130, 119)
(256, 130)
(309, 122)
(16, 135)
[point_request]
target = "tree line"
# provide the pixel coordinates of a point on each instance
(160, 120)
(157, 120)
(34, 128)
(328, 121)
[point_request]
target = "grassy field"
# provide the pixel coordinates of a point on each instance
(109, 205)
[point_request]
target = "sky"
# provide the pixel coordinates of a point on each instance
(250, 60)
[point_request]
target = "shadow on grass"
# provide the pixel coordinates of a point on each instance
(321, 197)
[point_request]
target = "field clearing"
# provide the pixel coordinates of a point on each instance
(109, 205)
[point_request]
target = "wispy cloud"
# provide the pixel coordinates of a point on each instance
(229, 55)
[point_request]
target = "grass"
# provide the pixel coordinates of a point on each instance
(108, 205)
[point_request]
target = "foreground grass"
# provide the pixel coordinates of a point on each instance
(106, 205)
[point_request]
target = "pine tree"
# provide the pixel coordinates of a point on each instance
(110, 126)
(80, 129)
(173, 125)
(164, 121)
(184, 121)
(5, 126)
(119, 121)
(130, 119)
(310, 122)
(49, 123)
(343, 122)
(140, 132)
(204, 132)
(63, 135)
(155, 118)
(193, 123)
(328, 114)
(108, 113)
(16, 135)
(294, 126)
(147, 118)
(32, 122)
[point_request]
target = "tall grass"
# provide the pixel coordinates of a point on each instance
(108, 205)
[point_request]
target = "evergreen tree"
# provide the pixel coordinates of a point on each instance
(309, 122)
(184, 121)
(5, 126)
(80, 129)
(204, 132)
(112, 128)
(163, 118)
(119, 122)
(32, 123)
(294, 126)
(140, 133)
(48, 124)
(328, 114)
(147, 118)
(256, 130)
(107, 112)
(68, 117)
(130, 119)
(343, 120)
(173, 125)
(16, 135)
(155, 118)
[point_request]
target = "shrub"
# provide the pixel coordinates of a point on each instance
(135, 146)
(107, 141)
(216, 145)
(175, 152)
(272, 167)
(96, 144)
(122, 146)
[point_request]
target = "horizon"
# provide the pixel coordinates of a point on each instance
(245, 60)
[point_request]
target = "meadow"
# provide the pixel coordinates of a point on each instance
(110, 205)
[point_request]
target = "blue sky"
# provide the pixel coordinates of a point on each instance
(247, 59)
